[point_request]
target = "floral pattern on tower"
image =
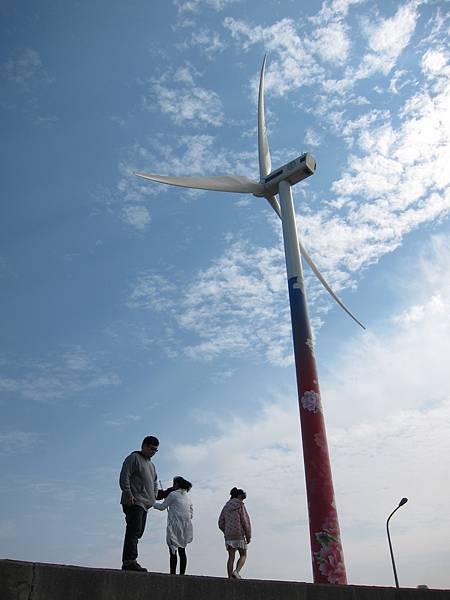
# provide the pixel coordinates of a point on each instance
(311, 401)
(330, 556)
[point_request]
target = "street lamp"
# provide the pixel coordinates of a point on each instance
(401, 503)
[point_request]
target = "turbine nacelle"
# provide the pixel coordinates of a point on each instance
(293, 171)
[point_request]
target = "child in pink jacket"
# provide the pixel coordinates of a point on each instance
(235, 524)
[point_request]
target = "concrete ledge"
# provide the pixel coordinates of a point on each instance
(39, 581)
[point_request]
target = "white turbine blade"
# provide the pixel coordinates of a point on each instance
(276, 207)
(322, 280)
(221, 183)
(274, 204)
(265, 164)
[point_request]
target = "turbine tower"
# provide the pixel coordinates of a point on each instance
(326, 549)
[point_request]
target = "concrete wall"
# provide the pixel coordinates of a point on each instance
(37, 581)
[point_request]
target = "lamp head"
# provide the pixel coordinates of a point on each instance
(403, 501)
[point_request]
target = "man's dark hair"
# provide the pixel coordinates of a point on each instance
(150, 440)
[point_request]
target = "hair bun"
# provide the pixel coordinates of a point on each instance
(233, 491)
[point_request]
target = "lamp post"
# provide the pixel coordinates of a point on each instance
(401, 503)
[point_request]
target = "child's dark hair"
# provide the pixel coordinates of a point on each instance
(236, 492)
(183, 483)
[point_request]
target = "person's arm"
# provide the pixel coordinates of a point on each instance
(155, 483)
(246, 525)
(163, 505)
(162, 494)
(124, 479)
(191, 510)
(222, 520)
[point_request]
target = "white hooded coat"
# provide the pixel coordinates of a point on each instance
(179, 519)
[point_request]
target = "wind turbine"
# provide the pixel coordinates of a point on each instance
(326, 549)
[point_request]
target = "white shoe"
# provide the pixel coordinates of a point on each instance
(236, 575)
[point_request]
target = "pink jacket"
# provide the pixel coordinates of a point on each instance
(234, 521)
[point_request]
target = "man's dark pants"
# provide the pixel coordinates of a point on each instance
(135, 517)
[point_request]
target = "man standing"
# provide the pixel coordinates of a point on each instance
(139, 484)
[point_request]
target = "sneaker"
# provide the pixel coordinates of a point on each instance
(235, 575)
(133, 565)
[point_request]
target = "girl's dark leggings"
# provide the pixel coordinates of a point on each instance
(173, 561)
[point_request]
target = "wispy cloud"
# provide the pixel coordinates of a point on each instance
(326, 57)
(72, 372)
(387, 38)
(333, 9)
(332, 42)
(209, 42)
(151, 291)
(221, 305)
(18, 442)
(394, 182)
(378, 406)
(193, 6)
(266, 454)
(184, 102)
(23, 77)
(112, 421)
(24, 68)
(397, 182)
(198, 154)
(292, 64)
(312, 137)
(138, 216)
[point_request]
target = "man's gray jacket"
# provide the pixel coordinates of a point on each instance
(138, 479)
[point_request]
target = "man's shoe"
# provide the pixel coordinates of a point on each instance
(235, 575)
(133, 565)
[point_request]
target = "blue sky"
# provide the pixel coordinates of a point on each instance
(130, 308)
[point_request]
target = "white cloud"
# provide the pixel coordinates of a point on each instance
(46, 121)
(112, 421)
(18, 442)
(312, 138)
(266, 461)
(209, 42)
(399, 80)
(184, 102)
(194, 6)
(299, 58)
(397, 183)
(333, 9)
(414, 348)
(194, 105)
(220, 306)
(435, 63)
(387, 407)
(294, 64)
(387, 38)
(24, 68)
(189, 155)
(332, 43)
(138, 216)
(60, 377)
(151, 291)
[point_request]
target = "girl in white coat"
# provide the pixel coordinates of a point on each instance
(179, 522)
